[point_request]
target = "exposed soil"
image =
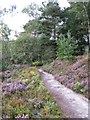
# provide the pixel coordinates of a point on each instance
(73, 105)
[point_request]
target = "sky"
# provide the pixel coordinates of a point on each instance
(16, 20)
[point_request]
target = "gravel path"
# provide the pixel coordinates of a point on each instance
(73, 105)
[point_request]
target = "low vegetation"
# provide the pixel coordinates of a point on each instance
(55, 39)
(32, 100)
(73, 74)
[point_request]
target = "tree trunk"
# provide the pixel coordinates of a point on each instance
(88, 22)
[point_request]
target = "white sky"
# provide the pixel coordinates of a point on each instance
(16, 20)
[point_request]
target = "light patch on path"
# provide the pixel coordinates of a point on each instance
(73, 105)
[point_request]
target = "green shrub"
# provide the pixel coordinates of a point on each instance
(4, 66)
(37, 63)
(65, 47)
(78, 88)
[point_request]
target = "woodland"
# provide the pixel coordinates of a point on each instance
(53, 37)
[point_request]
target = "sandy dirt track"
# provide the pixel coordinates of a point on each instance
(73, 105)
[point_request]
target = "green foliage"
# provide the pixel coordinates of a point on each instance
(25, 48)
(42, 28)
(4, 31)
(37, 63)
(75, 19)
(28, 49)
(36, 102)
(78, 88)
(35, 44)
(65, 47)
(5, 11)
(6, 55)
(50, 18)
(31, 10)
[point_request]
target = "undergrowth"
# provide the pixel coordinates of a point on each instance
(35, 102)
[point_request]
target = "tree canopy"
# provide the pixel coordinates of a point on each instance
(42, 37)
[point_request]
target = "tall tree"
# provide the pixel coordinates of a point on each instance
(50, 18)
(45, 25)
(5, 55)
(75, 19)
(87, 13)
